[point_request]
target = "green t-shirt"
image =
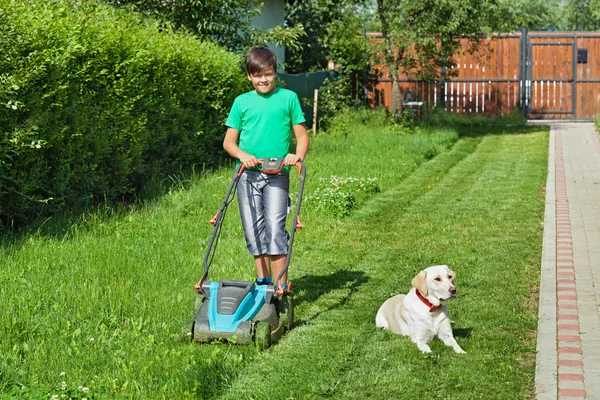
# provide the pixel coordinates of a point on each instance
(265, 121)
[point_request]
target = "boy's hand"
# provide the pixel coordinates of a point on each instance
(292, 159)
(249, 161)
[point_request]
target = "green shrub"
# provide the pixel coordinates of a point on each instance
(338, 196)
(97, 101)
(335, 102)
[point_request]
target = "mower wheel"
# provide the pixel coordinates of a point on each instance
(262, 335)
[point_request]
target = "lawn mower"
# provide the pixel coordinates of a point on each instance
(240, 311)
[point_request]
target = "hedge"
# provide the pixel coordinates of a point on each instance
(96, 101)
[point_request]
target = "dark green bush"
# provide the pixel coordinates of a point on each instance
(95, 101)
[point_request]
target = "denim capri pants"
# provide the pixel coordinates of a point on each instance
(264, 204)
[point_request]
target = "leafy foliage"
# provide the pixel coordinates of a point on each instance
(531, 14)
(582, 15)
(333, 31)
(284, 37)
(335, 102)
(430, 30)
(548, 15)
(338, 196)
(227, 22)
(98, 102)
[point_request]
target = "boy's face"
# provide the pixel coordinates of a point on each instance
(264, 81)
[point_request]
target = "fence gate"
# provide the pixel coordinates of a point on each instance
(544, 75)
(550, 76)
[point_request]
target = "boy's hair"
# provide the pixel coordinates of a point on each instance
(260, 58)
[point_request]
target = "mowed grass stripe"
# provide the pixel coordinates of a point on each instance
(338, 353)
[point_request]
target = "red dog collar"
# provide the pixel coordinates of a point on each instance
(432, 308)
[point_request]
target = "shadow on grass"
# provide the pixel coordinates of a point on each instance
(213, 377)
(61, 225)
(462, 332)
(85, 213)
(315, 286)
(487, 130)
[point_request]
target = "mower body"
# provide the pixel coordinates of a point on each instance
(234, 310)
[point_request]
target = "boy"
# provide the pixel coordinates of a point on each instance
(263, 120)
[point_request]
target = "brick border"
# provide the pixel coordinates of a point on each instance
(570, 356)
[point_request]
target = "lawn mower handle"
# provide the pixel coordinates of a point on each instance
(273, 166)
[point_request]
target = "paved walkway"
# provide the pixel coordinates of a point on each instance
(568, 349)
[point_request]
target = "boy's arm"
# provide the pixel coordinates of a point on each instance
(302, 144)
(230, 144)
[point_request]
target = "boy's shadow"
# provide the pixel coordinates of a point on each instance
(315, 286)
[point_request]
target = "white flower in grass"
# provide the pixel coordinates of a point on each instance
(54, 397)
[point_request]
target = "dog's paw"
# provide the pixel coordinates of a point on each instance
(424, 348)
(458, 350)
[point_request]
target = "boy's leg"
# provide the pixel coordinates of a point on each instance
(278, 264)
(263, 265)
(249, 195)
(276, 207)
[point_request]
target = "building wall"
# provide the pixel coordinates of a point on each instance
(272, 14)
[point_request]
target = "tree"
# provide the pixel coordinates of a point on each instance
(224, 21)
(550, 15)
(333, 32)
(421, 36)
(227, 22)
(581, 15)
(534, 15)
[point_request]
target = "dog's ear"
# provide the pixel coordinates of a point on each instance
(450, 272)
(420, 282)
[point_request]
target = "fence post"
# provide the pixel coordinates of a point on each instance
(523, 72)
(443, 83)
(314, 125)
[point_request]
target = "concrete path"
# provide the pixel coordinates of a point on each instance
(568, 346)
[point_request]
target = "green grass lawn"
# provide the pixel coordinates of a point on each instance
(105, 303)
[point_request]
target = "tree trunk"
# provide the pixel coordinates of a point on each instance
(392, 57)
(396, 97)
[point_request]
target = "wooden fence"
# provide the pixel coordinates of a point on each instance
(544, 75)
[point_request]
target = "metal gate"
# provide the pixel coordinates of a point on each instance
(544, 75)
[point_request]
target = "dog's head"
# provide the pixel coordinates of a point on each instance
(437, 282)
